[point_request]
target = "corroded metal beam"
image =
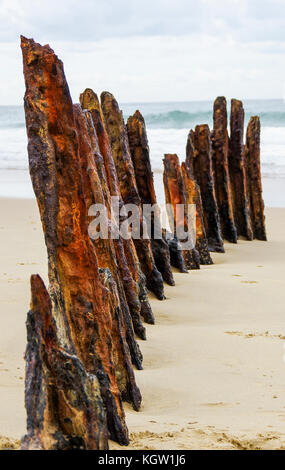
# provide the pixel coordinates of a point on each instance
(175, 197)
(237, 171)
(193, 196)
(133, 278)
(144, 177)
(63, 401)
(81, 301)
(254, 182)
(123, 161)
(94, 193)
(203, 173)
(220, 146)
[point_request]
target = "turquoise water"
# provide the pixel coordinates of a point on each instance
(173, 114)
(188, 114)
(167, 124)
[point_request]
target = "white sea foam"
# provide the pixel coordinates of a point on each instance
(163, 141)
(273, 151)
(13, 149)
(167, 130)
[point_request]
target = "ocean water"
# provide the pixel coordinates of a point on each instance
(168, 125)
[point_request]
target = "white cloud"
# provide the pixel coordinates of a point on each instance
(90, 20)
(155, 50)
(159, 68)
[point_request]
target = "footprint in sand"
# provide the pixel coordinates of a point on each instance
(266, 334)
(236, 333)
(14, 281)
(219, 403)
(9, 444)
(25, 264)
(249, 282)
(244, 443)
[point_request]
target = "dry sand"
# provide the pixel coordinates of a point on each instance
(214, 362)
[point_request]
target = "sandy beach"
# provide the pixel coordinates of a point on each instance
(214, 365)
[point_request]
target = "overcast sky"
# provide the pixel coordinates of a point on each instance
(151, 50)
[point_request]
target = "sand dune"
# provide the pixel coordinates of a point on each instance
(214, 367)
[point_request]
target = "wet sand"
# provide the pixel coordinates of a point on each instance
(214, 367)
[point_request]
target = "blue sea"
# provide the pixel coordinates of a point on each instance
(167, 125)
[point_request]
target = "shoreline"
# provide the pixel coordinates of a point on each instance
(213, 367)
(16, 184)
